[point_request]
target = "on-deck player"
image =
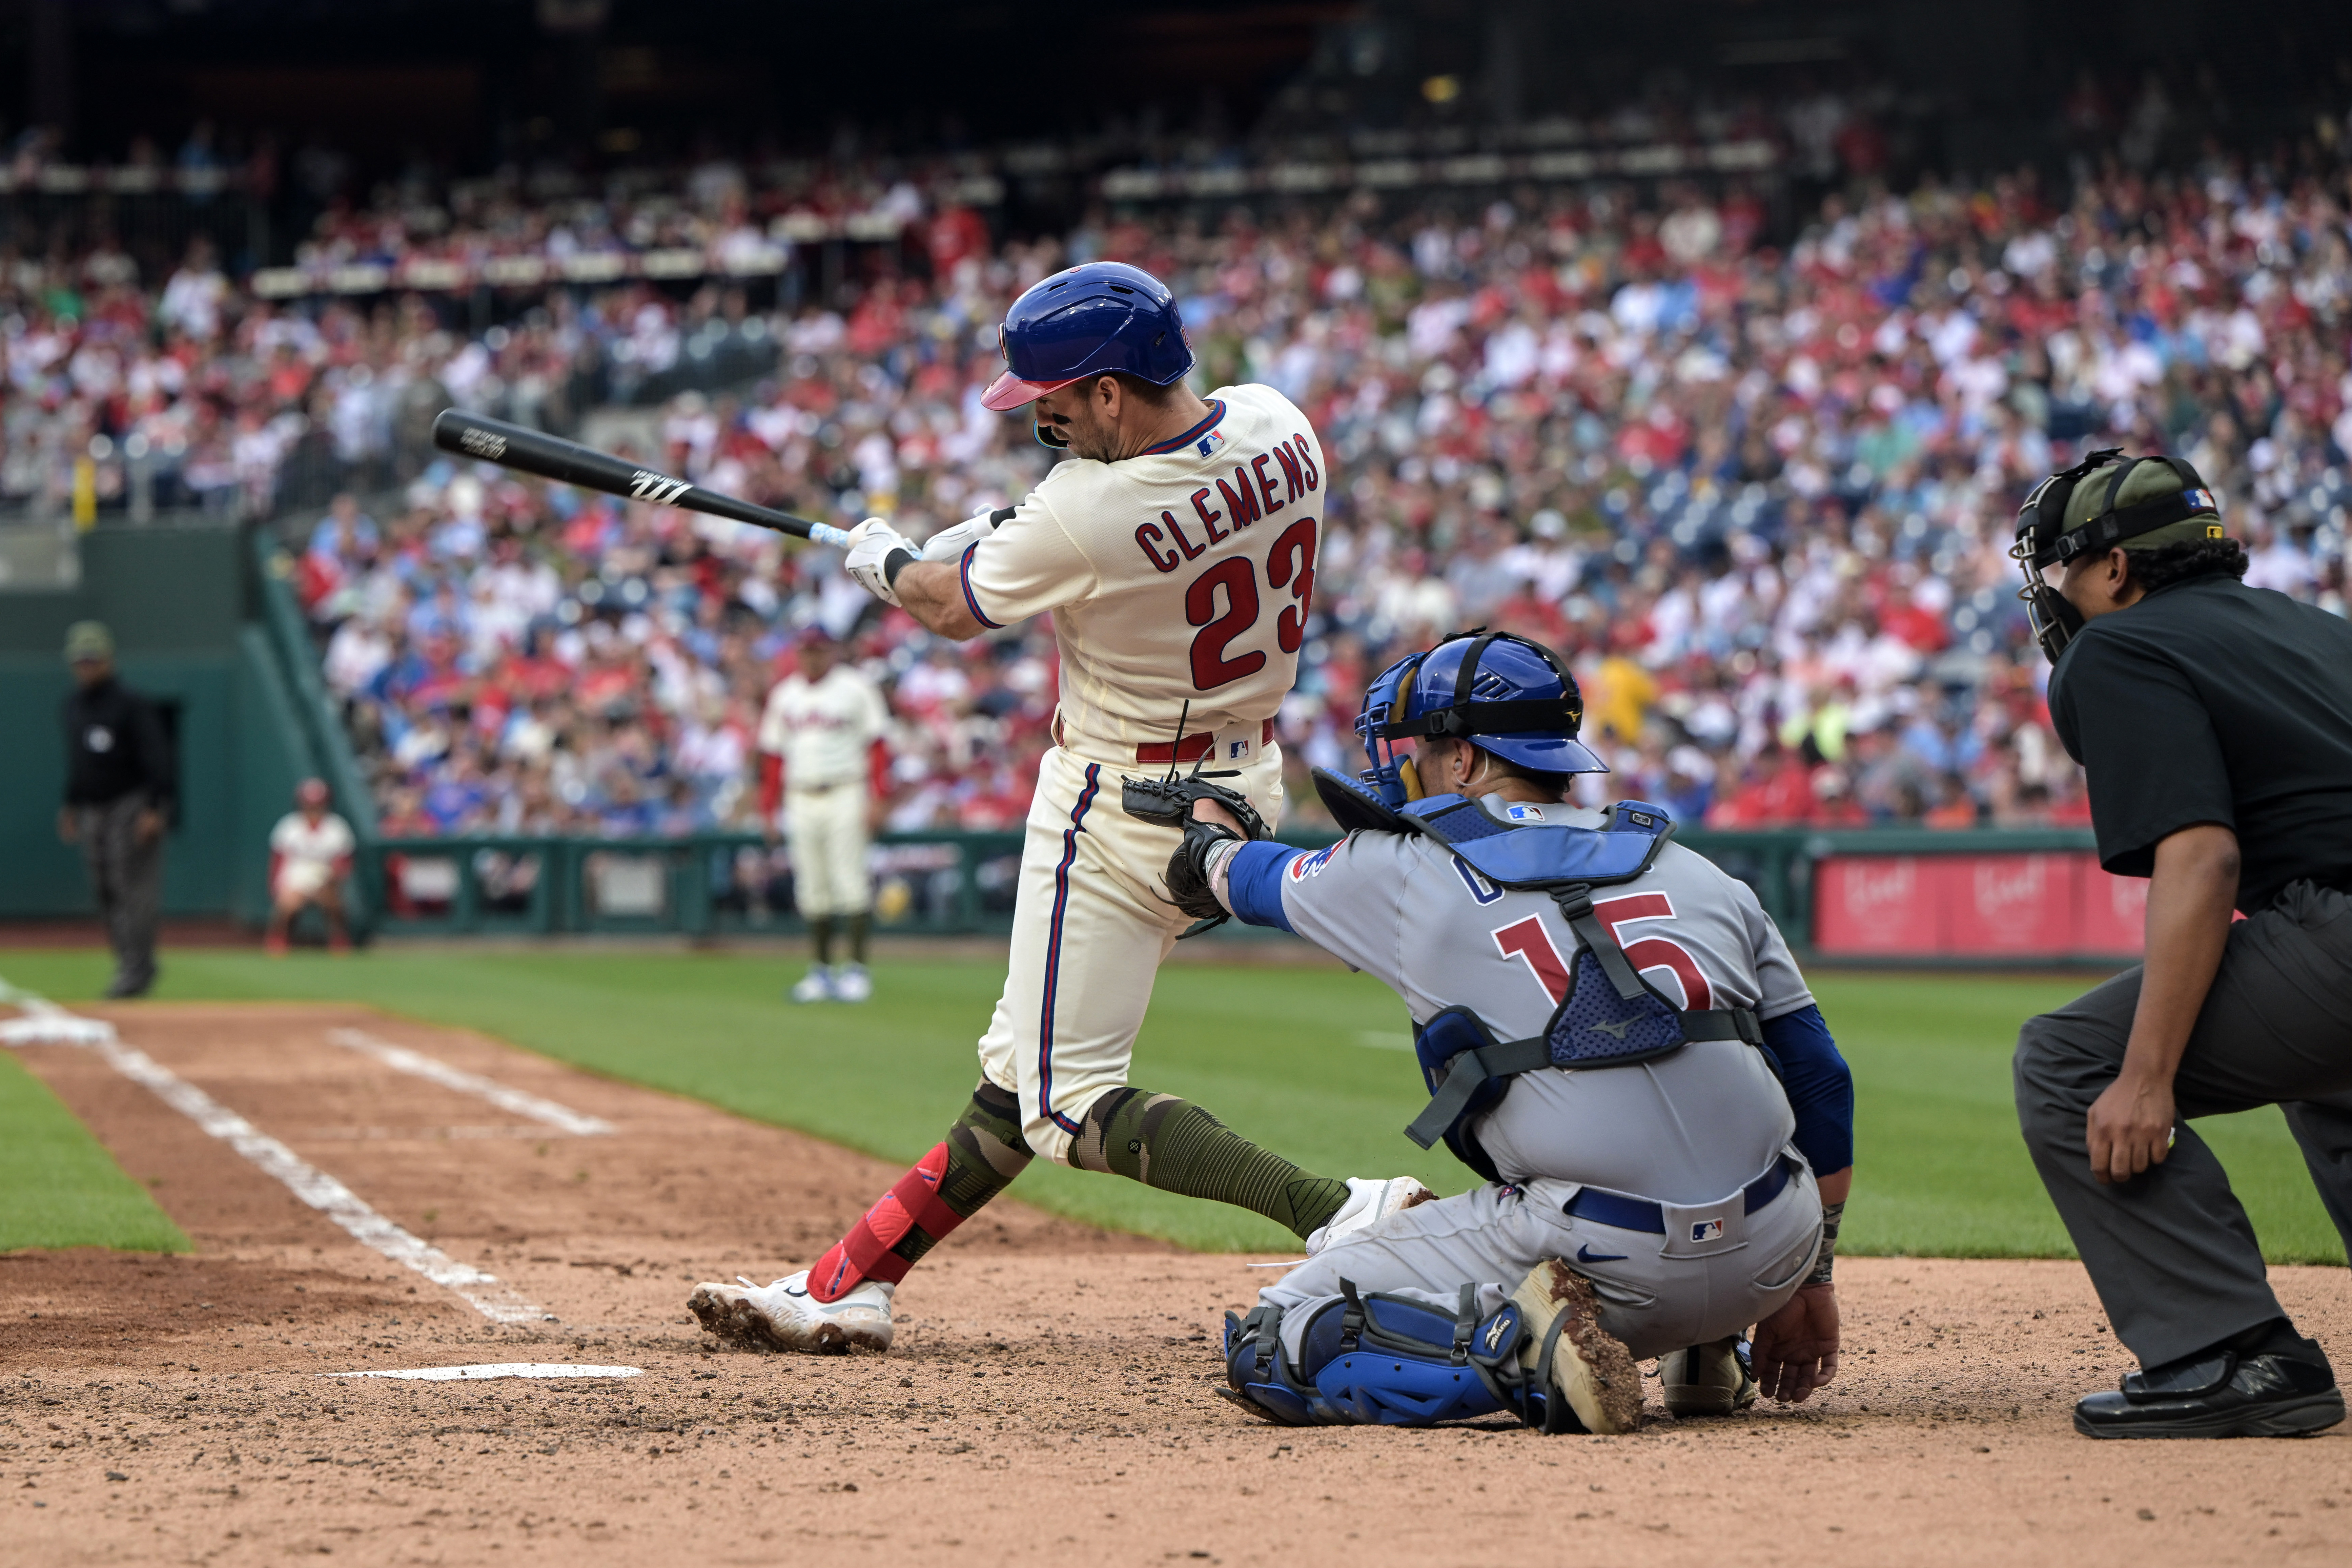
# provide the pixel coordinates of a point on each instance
(817, 738)
(1176, 552)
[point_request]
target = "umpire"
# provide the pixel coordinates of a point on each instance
(120, 791)
(2215, 723)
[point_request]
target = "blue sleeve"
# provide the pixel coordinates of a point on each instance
(1819, 1085)
(1254, 882)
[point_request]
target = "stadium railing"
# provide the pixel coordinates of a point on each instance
(1992, 898)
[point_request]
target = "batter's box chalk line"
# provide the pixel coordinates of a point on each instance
(482, 1371)
(479, 1290)
(401, 1058)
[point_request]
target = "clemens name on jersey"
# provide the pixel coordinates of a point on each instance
(1185, 574)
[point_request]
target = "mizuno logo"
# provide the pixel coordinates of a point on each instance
(1495, 1333)
(1614, 1030)
(658, 488)
(1587, 1255)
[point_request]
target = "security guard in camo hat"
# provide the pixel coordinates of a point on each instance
(2214, 724)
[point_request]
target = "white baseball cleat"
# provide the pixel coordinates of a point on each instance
(851, 983)
(1370, 1200)
(817, 986)
(1590, 1382)
(1710, 1379)
(784, 1316)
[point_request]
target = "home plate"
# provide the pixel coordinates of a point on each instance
(497, 1369)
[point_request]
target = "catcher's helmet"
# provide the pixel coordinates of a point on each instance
(1501, 693)
(1085, 321)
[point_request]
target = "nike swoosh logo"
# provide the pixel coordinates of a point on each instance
(1585, 1254)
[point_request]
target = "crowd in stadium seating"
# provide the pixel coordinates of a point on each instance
(1760, 495)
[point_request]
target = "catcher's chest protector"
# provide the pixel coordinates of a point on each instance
(1609, 1016)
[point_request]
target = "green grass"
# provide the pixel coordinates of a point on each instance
(58, 1187)
(1304, 1060)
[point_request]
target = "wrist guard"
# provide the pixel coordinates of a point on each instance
(1832, 1214)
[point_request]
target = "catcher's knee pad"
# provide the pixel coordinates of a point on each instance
(1381, 1360)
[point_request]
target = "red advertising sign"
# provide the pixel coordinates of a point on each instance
(2037, 906)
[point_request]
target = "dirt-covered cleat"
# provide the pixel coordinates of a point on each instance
(851, 983)
(784, 1316)
(1590, 1382)
(1370, 1199)
(1707, 1379)
(817, 986)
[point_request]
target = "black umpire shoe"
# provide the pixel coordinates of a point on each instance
(2219, 1394)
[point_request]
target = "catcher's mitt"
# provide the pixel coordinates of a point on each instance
(1169, 802)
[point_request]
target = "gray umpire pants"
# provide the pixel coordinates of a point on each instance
(127, 877)
(2170, 1252)
(1658, 1293)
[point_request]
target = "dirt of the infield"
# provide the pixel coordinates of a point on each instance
(1050, 1397)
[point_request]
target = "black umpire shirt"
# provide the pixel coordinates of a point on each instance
(2209, 700)
(115, 744)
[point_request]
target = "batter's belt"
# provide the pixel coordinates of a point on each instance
(1214, 746)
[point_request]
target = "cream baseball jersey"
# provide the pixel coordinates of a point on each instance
(823, 729)
(1184, 574)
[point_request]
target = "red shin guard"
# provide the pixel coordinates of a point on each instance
(866, 1252)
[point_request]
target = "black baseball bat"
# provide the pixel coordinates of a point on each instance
(552, 457)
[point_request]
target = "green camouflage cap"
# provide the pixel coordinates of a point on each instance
(87, 640)
(2147, 481)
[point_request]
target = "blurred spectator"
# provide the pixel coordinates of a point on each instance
(1760, 497)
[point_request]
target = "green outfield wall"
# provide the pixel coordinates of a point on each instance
(182, 602)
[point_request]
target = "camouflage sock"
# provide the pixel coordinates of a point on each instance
(1173, 1145)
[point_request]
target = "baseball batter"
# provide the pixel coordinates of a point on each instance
(816, 740)
(1176, 553)
(1616, 1037)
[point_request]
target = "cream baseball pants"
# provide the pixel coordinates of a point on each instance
(1090, 926)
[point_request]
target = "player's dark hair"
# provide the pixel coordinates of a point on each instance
(2169, 564)
(1147, 393)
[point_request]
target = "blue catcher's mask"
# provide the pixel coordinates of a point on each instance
(1502, 693)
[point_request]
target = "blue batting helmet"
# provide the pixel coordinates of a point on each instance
(1502, 693)
(1088, 322)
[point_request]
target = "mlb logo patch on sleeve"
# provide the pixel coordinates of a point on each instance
(1706, 1230)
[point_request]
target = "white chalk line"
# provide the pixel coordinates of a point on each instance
(401, 1058)
(478, 1290)
(418, 1134)
(482, 1371)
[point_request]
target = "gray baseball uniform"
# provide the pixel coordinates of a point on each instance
(1701, 1133)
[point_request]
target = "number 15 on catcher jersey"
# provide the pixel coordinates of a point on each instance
(1185, 574)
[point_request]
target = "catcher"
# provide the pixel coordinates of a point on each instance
(1615, 1037)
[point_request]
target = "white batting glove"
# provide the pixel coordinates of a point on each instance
(948, 544)
(872, 543)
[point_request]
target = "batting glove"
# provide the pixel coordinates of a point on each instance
(872, 545)
(948, 544)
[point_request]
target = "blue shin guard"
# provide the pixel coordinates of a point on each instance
(1381, 1360)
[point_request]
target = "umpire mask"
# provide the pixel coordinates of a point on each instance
(2104, 501)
